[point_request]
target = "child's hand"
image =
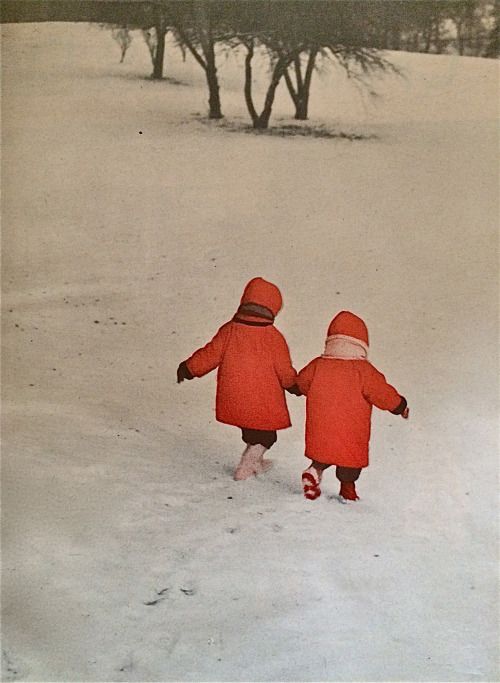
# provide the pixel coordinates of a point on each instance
(183, 373)
(406, 413)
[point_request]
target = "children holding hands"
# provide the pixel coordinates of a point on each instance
(341, 387)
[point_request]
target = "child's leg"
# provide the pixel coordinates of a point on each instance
(320, 466)
(249, 463)
(311, 479)
(243, 470)
(252, 461)
(265, 439)
(347, 476)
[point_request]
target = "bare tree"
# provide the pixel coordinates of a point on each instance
(294, 37)
(300, 89)
(158, 54)
(149, 35)
(197, 28)
(492, 47)
(121, 35)
(154, 37)
(279, 66)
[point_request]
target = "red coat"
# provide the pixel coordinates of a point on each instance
(253, 364)
(340, 395)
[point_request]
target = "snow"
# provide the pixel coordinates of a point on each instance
(130, 227)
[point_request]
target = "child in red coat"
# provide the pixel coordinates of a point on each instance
(341, 387)
(254, 368)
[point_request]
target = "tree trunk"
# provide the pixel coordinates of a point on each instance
(214, 104)
(262, 121)
(290, 86)
(437, 37)
(248, 83)
(202, 13)
(301, 113)
(210, 69)
(206, 56)
(396, 39)
(492, 47)
(304, 99)
(460, 37)
(160, 52)
(300, 94)
(428, 38)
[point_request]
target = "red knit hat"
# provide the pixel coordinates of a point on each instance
(348, 325)
(264, 293)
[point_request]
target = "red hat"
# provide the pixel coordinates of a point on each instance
(264, 293)
(348, 325)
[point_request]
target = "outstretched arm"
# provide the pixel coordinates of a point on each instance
(381, 394)
(205, 359)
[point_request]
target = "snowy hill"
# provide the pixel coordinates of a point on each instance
(130, 226)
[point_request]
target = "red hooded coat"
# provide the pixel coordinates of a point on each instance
(253, 363)
(341, 387)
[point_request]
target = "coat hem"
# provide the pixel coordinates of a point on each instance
(266, 428)
(337, 462)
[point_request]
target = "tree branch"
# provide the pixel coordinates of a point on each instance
(310, 67)
(248, 81)
(298, 72)
(191, 48)
(291, 89)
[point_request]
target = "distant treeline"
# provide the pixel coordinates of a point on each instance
(466, 27)
(91, 11)
(297, 36)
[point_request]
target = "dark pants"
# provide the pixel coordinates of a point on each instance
(344, 474)
(252, 437)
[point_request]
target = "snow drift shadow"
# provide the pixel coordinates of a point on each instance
(134, 77)
(290, 130)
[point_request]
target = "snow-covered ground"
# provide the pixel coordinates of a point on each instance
(130, 226)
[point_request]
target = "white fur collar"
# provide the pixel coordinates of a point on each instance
(345, 347)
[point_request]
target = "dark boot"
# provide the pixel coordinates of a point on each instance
(348, 490)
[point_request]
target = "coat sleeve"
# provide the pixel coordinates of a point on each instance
(379, 392)
(207, 358)
(287, 374)
(305, 377)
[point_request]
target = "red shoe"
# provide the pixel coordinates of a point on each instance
(348, 490)
(310, 483)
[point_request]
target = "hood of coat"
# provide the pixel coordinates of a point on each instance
(347, 337)
(262, 294)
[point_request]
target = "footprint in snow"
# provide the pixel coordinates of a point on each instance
(162, 594)
(188, 591)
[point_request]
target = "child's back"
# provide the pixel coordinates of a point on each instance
(341, 387)
(253, 369)
(253, 364)
(340, 395)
